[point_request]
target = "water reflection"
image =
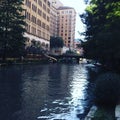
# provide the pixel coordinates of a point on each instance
(10, 92)
(44, 92)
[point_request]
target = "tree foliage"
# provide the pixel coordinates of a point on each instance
(102, 31)
(107, 89)
(56, 42)
(35, 48)
(12, 28)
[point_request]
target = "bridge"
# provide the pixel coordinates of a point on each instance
(67, 57)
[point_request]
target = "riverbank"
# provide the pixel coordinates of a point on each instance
(25, 61)
(35, 61)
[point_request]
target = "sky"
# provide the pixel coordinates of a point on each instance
(79, 6)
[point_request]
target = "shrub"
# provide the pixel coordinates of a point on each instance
(107, 89)
(104, 114)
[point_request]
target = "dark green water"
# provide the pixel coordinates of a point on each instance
(45, 92)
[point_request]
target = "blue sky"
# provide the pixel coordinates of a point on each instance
(79, 6)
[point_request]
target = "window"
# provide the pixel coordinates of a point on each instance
(28, 15)
(39, 12)
(48, 3)
(39, 33)
(43, 35)
(44, 15)
(66, 12)
(48, 10)
(48, 28)
(33, 30)
(69, 38)
(44, 7)
(43, 25)
(38, 22)
(33, 19)
(28, 3)
(70, 11)
(40, 3)
(48, 19)
(34, 8)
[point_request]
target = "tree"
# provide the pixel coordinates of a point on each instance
(56, 42)
(102, 31)
(35, 48)
(12, 28)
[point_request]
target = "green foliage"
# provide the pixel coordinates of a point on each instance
(104, 114)
(12, 28)
(99, 115)
(102, 31)
(35, 48)
(56, 42)
(107, 89)
(70, 52)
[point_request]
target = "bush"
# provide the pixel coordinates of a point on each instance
(104, 114)
(107, 89)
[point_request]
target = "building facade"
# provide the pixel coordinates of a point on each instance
(37, 13)
(53, 20)
(66, 25)
(45, 18)
(54, 4)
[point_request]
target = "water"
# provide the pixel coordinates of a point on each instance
(45, 92)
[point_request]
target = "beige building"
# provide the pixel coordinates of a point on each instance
(45, 18)
(54, 4)
(37, 14)
(66, 25)
(53, 20)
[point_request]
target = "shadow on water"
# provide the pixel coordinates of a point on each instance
(10, 91)
(46, 92)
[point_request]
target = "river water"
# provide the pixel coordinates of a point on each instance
(46, 92)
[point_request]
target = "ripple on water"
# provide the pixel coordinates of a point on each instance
(45, 92)
(68, 107)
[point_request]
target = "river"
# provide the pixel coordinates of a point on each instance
(46, 92)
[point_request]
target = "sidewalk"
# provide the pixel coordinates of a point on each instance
(91, 113)
(117, 112)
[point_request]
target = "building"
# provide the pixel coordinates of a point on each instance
(66, 25)
(53, 20)
(45, 18)
(37, 14)
(54, 4)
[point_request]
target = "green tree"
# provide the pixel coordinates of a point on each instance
(12, 28)
(56, 42)
(35, 48)
(102, 31)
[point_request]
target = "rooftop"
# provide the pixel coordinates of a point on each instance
(64, 7)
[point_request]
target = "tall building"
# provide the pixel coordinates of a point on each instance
(66, 25)
(45, 18)
(53, 20)
(38, 21)
(54, 4)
